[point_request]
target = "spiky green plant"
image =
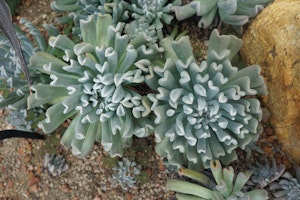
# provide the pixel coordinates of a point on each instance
(94, 86)
(204, 111)
(233, 12)
(225, 185)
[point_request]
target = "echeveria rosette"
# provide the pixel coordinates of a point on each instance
(232, 12)
(204, 111)
(286, 187)
(125, 174)
(140, 28)
(55, 164)
(225, 185)
(265, 172)
(94, 86)
(81, 9)
(154, 12)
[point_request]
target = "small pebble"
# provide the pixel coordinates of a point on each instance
(10, 184)
(33, 188)
(27, 3)
(66, 188)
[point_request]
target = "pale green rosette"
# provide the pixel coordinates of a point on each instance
(94, 85)
(225, 185)
(286, 187)
(204, 111)
(154, 12)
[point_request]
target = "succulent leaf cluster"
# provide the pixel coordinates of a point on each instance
(204, 111)
(19, 116)
(287, 187)
(82, 9)
(55, 164)
(232, 12)
(265, 173)
(117, 77)
(154, 12)
(23, 119)
(18, 120)
(13, 82)
(10, 68)
(125, 172)
(141, 28)
(225, 185)
(94, 85)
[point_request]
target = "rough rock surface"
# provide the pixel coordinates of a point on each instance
(273, 42)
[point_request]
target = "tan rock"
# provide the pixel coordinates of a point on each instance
(273, 42)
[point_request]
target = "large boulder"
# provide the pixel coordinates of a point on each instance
(273, 42)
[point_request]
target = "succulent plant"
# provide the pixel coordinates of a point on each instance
(140, 28)
(265, 173)
(147, 17)
(225, 186)
(204, 111)
(125, 173)
(18, 120)
(94, 86)
(55, 164)
(25, 120)
(286, 187)
(12, 4)
(11, 70)
(252, 147)
(233, 12)
(81, 9)
(7, 28)
(13, 84)
(154, 12)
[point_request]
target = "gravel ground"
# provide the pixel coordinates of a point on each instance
(23, 175)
